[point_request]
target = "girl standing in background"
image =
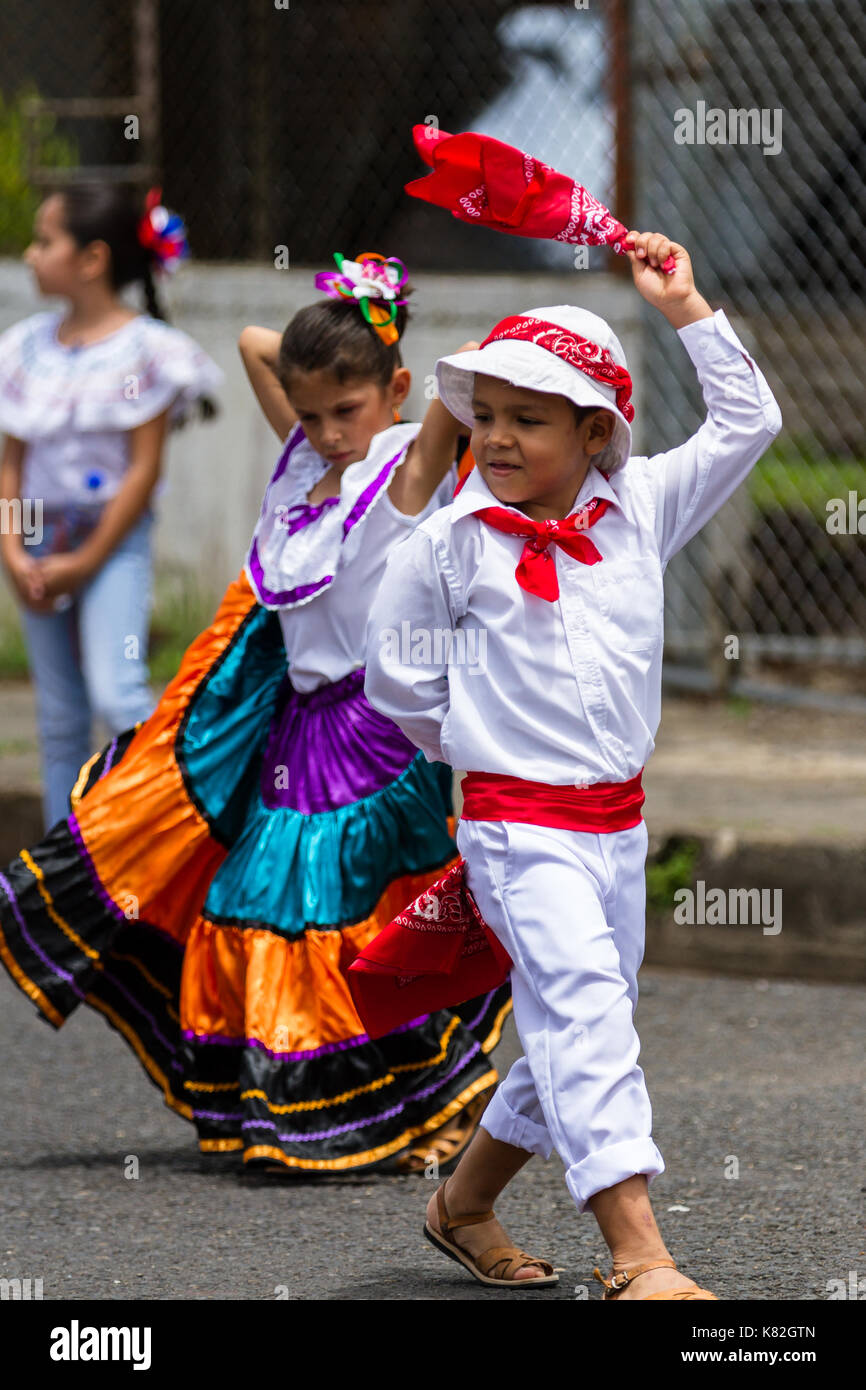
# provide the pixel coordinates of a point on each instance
(87, 394)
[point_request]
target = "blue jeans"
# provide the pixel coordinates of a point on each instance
(90, 659)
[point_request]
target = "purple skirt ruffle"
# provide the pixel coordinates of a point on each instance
(330, 747)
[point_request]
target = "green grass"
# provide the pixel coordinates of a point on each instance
(739, 706)
(178, 618)
(180, 613)
(9, 747)
(13, 653)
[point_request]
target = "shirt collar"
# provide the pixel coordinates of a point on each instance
(475, 494)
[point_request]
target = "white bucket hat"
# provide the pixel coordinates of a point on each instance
(527, 363)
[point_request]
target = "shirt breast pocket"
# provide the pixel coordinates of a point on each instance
(630, 597)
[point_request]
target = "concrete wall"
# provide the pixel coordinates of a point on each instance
(216, 473)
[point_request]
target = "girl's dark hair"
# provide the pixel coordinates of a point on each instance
(111, 213)
(334, 336)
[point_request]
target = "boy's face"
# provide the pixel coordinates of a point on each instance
(529, 448)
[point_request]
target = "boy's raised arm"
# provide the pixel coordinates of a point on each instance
(692, 481)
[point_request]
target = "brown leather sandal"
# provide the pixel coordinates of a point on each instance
(625, 1276)
(446, 1143)
(495, 1267)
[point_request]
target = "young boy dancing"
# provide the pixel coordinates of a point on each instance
(554, 551)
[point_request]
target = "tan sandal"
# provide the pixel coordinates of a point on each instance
(445, 1144)
(625, 1276)
(495, 1267)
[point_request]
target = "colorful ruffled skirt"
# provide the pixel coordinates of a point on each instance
(223, 865)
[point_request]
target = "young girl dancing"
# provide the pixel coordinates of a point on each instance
(225, 862)
(86, 394)
(555, 548)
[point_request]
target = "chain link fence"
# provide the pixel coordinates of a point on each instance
(749, 126)
(736, 126)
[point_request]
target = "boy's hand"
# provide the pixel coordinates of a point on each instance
(676, 294)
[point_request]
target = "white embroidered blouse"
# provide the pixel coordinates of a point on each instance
(74, 406)
(320, 565)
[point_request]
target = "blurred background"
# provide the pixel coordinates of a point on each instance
(288, 126)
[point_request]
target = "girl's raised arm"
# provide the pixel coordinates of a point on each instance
(259, 349)
(429, 457)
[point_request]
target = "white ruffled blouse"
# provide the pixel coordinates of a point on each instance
(320, 564)
(74, 406)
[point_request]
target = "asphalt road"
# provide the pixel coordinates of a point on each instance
(768, 1073)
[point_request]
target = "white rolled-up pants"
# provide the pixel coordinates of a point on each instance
(570, 909)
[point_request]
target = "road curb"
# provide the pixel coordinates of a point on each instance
(819, 933)
(823, 892)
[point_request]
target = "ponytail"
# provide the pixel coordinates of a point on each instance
(111, 213)
(151, 298)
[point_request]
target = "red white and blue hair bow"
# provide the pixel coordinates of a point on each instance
(163, 233)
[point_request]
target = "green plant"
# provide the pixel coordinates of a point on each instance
(794, 476)
(673, 868)
(18, 198)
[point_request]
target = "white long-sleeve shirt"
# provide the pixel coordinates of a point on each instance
(487, 677)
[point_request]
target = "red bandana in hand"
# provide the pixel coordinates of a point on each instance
(479, 179)
(536, 570)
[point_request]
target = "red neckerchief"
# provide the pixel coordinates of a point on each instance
(536, 569)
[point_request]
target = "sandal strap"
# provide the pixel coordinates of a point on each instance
(512, 1258)
(622, 1277)
(443, 1142)
(449, 1223)
(442, 1149)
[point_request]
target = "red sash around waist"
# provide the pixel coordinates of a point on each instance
(439, 952)
(601, 808)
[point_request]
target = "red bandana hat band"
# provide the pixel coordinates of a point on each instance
(573, 348)
(558, 349)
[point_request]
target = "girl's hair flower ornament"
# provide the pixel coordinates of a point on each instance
(162, 233)
(375, 281)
